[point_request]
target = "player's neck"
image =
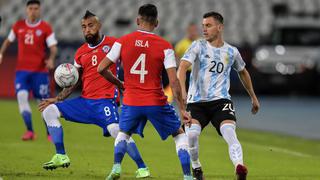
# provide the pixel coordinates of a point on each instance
(146, 28)
(217, 43)
(97, 41)
(33, 21)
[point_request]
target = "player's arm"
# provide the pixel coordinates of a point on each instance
(52, 56)
(51, 42)
(247, 83)
(183, 67)
(64, 94)
(177, 94)
(111, 58)
(103, 69)
(4, 47)
(170, 66)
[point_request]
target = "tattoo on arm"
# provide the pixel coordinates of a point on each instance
(67, 91)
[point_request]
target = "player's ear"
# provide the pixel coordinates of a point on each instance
(156, 23)
(138, 21)
(220, 27)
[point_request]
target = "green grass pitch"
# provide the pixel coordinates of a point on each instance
(268, 156)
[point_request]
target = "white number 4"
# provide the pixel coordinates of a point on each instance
(142, 72)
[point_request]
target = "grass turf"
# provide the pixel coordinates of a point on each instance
(267, 155)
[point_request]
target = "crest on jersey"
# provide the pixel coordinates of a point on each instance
(106, 49)
(38, 32)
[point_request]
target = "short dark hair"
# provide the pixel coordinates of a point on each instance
(215, 15)
(88, 14)
(30, 2)
(149, 13)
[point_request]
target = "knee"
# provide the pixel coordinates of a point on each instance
(51, 114)
(193, 133)
(22, 97)
(113, 129)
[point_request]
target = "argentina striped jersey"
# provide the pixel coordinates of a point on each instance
(211, 66)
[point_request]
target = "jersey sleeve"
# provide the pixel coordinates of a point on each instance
(192, 52)
(12, 33)
(77, 62)
(50, 37)
(169, 59)
(115, 51)
(238, 63)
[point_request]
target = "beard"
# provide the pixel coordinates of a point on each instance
(92, 38)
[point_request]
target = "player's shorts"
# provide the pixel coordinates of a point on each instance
(213, 111)
(164, 118)
(101, 112)
(37, 82)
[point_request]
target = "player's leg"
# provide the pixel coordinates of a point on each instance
(40, 90)
(131, 121)
(51, 116)
(228, 132)
(225, 122)
(22, 85)
(167, 123)
(132, 151)
(200, 121)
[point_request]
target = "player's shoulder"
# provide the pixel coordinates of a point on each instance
(19, 23)
(109, 39)
(45, 23)
(84, 48)
(230, 46)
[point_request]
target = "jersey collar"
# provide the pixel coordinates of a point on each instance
(145, 31)
(92, 47)
(32, 25)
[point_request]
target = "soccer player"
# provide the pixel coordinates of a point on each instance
(208, 98)
(33, 35)
(97, 103)
(144, 56)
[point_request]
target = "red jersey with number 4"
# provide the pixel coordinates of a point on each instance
(32, 41)
(94, 86)
(144, 56)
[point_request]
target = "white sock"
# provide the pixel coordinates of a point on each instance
(121, 137)
(181, 141)
(193, 134)
(235, 151)
(51, 115)
(23, 102)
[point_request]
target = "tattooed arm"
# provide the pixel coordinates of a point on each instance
(61, 96)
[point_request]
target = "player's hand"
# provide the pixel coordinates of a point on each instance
(186, 117)
(49, 64)
(46, 102)
(255, 106)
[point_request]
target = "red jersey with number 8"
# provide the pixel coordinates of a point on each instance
(144, 56)
(94, 86)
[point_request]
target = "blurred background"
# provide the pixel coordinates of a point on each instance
(278, 39)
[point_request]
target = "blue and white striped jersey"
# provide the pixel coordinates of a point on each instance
(211, 66)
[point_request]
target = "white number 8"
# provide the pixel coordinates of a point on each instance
(107, 111)
(94, 60)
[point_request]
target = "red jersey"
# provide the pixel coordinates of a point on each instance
(144, 56)
(32, 41)
(94, 86)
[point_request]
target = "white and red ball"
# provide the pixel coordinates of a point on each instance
(66, 75)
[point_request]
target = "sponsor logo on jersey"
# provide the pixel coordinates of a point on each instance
(38, 32)
(21, 31)
(106, 49)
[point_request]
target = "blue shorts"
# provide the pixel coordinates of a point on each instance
(101, 112)
(164, 118)
(37, 82)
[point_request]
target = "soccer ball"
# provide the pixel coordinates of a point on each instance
(66, 75)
